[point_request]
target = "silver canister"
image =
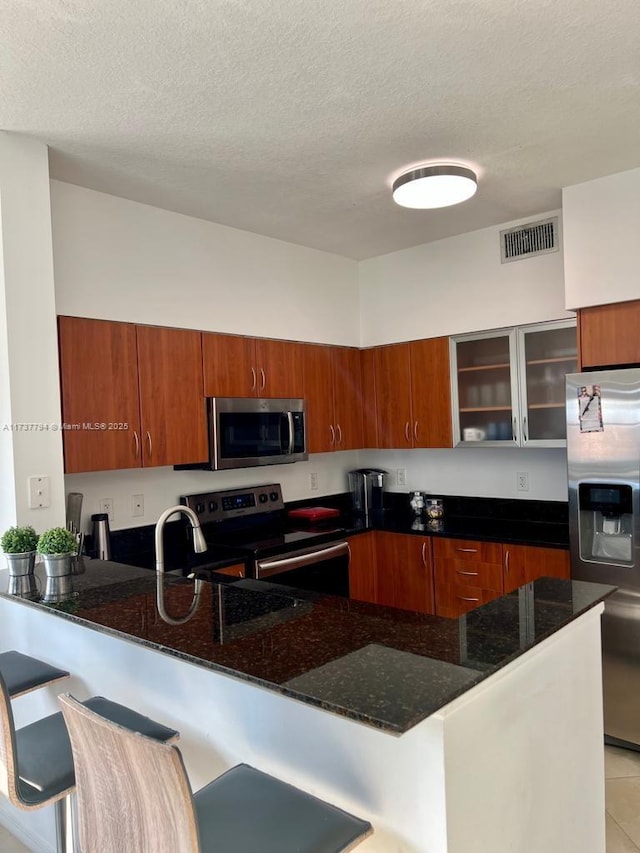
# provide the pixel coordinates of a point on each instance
(101, 536)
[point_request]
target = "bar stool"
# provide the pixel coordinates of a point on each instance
(22, 673)
(36, 762)
(134, 796)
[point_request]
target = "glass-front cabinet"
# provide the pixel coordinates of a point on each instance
(508, 385)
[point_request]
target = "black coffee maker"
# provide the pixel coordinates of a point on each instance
(367, 490)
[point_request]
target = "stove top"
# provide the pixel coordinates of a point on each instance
(251, 522)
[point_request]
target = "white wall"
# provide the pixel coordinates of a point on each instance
(476, 471)
(602, 249)
(29, 383)
(119, 260)
(162, 487)
(457, 285)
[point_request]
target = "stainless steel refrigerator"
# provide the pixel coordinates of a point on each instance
(603, 458)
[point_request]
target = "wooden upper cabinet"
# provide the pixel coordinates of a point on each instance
(172, 406)
(369, 399)
(608, 335)
(99, 384)
(280, 369)
(347, 397)
(431, 393)
(525, 563)
(236, 366)
(229, 365)
(318, 394)
(393, 396)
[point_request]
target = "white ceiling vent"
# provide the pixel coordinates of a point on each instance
(525, 241)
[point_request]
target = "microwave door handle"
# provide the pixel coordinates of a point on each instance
(290, 422)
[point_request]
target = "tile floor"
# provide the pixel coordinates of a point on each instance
(622, 784)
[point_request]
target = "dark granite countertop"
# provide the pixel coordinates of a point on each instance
(384, 667)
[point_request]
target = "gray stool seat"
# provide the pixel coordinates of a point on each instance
(43, 750)
(245, 810)
(23, 673)
(134, 796)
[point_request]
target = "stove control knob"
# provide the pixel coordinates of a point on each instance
(199, 508)
(213, 506)
(263, 498)
(274, 496)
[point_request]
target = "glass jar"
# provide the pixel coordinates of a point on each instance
(417, 503)
(434, 508)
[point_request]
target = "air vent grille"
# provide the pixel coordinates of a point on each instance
(534, 238)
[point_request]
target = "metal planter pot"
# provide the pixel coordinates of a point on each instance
(57, 565)
(21, 565)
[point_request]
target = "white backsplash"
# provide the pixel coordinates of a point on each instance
(161, 487)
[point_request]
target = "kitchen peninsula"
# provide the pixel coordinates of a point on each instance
(481, 733)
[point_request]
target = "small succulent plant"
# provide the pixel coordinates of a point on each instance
(19, 540)
(57, 540)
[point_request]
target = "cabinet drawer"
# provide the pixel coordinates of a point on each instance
(469, 573)
(453, 600)
(468, 549)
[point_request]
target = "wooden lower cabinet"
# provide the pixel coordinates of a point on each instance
(238, 570)
(362, 567)
(404, 571)
(525, 563)
(608, 335)
(468, 574)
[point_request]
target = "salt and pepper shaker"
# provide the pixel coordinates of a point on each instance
(417, 503)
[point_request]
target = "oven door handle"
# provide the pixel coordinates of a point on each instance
(264, 568)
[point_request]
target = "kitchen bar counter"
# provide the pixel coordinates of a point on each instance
(381, 666)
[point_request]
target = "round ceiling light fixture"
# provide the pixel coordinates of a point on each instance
(434, 186)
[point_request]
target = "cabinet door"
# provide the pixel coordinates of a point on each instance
(404, 571)
(431, 393)
(229, 365)
(485, 388)
(393, 396)
(174, 428)
(99, 384)
(546, 354)
(525, 563)
(369, 399)
(362, 568)
(609, 335)
(279, 367)
(318, 394)
(347, 398)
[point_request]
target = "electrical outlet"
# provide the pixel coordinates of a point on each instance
(313, 481)
(106, 505)
(401, 476)
(137, 505)
(523, 481)
(39, 492)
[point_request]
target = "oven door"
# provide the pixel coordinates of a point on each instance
(324, 568)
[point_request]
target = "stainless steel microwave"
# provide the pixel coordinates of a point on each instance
(245, 432)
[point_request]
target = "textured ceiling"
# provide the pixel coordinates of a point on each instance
(291, 117)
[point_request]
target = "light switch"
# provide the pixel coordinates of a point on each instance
(39, 492)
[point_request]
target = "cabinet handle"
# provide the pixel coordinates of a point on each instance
(415, 430)
(150, 444)
(460, 572)
(514, 431)
(466, 598)
(467, 550)
(339, 430)
(507, 557)
(263, 379)
(254, 379)
(136, 441)
(333, 434)
(406, 432)
(525, 430)
(424, 554)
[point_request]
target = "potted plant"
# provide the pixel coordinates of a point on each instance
(57, 546)
(19, 544)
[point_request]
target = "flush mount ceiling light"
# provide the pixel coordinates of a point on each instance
(434, 186)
